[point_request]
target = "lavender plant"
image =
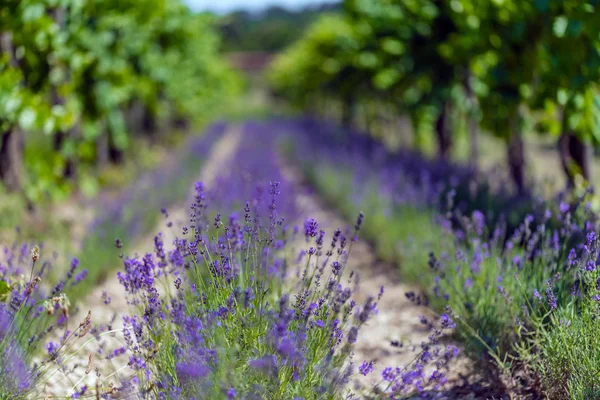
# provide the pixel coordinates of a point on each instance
(241, 306)
(33, 312)
(234, 310)
(523, 293)
(559, 346)
(228, 324)
(134, 210)
(245, 306)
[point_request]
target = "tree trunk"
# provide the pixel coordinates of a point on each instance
(367, 118)
(406, 131)
(11, 159)
(180, 122)
(115, 154)
(60, 138)
(565, 160)
(102, 156)
(70, 168)
(11, 142)
(7, 47)
(583, 155)
(473, 143)
(134, 116)
(516, 155)
(416, 128)
(442, 133)
(347, 113)
(149, 122)
(472, 123)
(576, 158)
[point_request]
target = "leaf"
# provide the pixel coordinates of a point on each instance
(5, 289)
(560, 26)
(27, 119)
(542, 5)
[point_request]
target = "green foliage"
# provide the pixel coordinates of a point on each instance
(325, 60)
(271, 30)
(569, 66)
(502, 61)
(74, 69)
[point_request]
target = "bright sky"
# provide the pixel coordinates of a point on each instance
(223, 6)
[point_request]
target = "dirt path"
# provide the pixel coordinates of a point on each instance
(111, 317)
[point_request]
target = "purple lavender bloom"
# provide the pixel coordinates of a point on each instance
(572, 258)
(81, 276)
(551, 299)
(74, 265)
(591, 238)
(337, 268)
(310, 228)
(389, 374)
(353, 335)
(265, 364)
(517, 261)
(478, 222)
(447, 322)
(51, 348)
(231, 394)
(359, 221)
(192, 370)
(590, 265)
(366, 367)
(15, 374)
(468, 283)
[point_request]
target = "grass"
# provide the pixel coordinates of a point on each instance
(18, 224)
(398, 233)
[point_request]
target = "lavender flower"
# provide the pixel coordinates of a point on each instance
(366, 367)
(551, 299)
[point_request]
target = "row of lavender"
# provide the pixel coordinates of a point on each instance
(35, 304)
(518, 275)
(133, 211)
(243, 304)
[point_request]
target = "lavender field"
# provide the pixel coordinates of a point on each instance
(354, 200)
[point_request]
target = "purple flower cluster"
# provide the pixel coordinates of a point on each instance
(133, 211)
(225, 314)
(237, 321)
(405, 177)
(30, 310)
(502, 263)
